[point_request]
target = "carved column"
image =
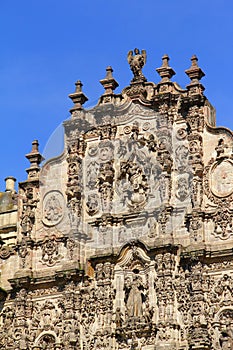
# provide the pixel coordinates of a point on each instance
(167, 323)
(198, 336)
(28, 201)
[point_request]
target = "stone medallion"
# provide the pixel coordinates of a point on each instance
(53, 208)
(221, 178)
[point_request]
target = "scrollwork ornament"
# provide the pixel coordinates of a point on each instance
(92, 151)
(181, 134)
(5, 251)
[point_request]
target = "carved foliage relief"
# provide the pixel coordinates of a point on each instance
(143, 298)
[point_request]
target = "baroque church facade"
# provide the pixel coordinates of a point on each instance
(124, 241)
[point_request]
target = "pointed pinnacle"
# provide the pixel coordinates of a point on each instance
(78, 97)
(109, 83)
(165, 71)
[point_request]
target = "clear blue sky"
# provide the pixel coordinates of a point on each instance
(47, 45)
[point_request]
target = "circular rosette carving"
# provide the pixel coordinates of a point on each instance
(53, 208)
(5, 252)
(181, 134)
(219, 180)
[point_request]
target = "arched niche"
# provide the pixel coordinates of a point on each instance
(47, 341)
(134, 279)
(223, 329)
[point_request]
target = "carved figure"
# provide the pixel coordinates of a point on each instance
(138, 190)
(53, 209)
(136, 62)
(134, 300)
(118, 317)
(182, 154)
(221, 148)
(92, 170)
(182, 189)
(92, 203)
(105, 183)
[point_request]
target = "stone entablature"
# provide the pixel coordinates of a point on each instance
(125, 240)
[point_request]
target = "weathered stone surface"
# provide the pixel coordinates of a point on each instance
(125, 240)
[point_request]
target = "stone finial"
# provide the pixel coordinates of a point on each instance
(165, 71)
(195, 73)
(10, 184)
(78, 97)
(35, 159)
(109, 83)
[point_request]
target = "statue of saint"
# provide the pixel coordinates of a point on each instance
(134, 301)
(136, 62)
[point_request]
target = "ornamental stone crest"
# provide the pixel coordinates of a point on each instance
(53, 208)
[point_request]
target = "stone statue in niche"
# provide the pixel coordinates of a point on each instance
(134, 302)
(105, 235)
(92, 171)
(27, 223)
(105, 184)
(122, 236)
(136, 63)
(163, 155)
(118, 317)
(28, 214)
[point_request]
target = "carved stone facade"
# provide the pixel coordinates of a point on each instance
(124, 241)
